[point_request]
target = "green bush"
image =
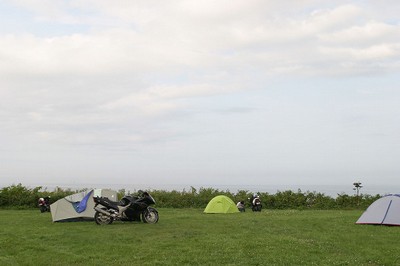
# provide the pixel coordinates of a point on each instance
(18, 196)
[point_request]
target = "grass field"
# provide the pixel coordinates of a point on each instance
(189, 237)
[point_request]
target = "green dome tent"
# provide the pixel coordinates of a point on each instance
(221, 204)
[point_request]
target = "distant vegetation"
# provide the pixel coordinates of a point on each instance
(21, 197)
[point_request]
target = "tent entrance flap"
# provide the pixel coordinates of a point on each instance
(80, 206)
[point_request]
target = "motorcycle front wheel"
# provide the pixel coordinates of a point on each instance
(150, 216)
(101, 218)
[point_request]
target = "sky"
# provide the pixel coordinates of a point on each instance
(200, 93)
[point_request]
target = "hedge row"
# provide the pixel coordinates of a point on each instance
(281, 200)
(20, 197)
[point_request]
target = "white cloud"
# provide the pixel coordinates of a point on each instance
(142, 103)
(373, 53)
(43, 8)
(371, 32)
(171, 39)
(153, 76)
(162, 99)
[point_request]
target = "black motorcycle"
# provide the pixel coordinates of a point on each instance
(44, 204)
(255, 202)
(129, 208)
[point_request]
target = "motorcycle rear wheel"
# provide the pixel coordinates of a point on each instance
(150, 216)
(102, 219)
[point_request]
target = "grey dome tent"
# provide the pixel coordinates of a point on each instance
(385, 211)
(79, 206)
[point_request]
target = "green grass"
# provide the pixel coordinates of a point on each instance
(189, 237)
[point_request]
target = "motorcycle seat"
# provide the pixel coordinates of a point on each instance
(107, 202)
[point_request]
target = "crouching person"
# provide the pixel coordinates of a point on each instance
(240, 206)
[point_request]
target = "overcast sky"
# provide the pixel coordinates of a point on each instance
(199, 92)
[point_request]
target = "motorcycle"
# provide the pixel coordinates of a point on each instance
(44, 204)
(129, 208)
(256, 204)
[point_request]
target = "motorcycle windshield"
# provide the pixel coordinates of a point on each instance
(147, 199)
(153, 201)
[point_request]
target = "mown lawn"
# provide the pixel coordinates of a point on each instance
(189, 237)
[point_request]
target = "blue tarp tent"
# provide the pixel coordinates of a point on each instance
(79, 206)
